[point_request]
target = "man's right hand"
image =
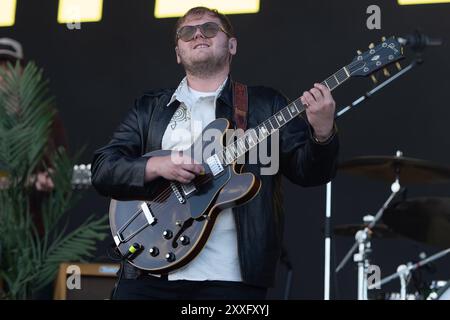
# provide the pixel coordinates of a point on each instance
(174, 167)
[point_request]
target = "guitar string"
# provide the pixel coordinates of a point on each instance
(166, 192)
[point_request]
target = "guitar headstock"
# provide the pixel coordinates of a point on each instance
(389, 51)
(81, 176)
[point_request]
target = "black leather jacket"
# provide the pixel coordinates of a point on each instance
(118, 169)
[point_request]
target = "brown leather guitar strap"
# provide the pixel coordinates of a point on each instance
(240, 105)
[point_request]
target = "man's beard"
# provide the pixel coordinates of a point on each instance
(206, 67)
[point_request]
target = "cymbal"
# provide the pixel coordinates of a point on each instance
(409, 170)
(422, 219)
(378, 231)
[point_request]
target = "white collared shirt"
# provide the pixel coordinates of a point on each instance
(219, 258)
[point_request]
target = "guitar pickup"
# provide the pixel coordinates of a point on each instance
(177, 193)
(188, 188)
(214, 165)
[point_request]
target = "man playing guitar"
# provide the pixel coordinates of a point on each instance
(239, 258)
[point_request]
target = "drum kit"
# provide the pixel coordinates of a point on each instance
(423, 219)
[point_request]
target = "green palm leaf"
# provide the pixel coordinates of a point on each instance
(29, 260)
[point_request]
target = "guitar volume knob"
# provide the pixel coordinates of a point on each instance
(154, 251)
(185, 240)
(170, 257)
(167, 234)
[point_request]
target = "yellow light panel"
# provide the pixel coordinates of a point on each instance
(70, 11)
(177, 8)
(7, 13)
(409, 2)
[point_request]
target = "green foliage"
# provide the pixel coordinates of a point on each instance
(29, 258)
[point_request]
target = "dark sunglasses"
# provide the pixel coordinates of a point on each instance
(208, 30)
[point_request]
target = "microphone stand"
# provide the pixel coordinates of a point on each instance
(327, 260)
(417, 61)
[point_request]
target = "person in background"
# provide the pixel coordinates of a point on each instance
(11, 51)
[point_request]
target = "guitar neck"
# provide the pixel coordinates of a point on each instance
(255, 135)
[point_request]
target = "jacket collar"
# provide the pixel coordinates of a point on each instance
(226, 94)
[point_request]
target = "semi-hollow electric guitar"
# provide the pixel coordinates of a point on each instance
(168, 229)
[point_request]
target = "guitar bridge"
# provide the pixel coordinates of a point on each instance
(188, 188)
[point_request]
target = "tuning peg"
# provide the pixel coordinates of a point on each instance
(383, 38)
(399, 66)
(371, 46)
(359, 52)
(374, 79)
(386, 72)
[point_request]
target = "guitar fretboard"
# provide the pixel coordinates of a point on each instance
(254, 136)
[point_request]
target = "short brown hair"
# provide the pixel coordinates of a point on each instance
(200, 11)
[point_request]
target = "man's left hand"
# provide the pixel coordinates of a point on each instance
(320, 108)
(44, 182)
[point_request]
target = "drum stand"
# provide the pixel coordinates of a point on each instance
(363, 244)
(404, 271)
(362, 259)
(404, 275)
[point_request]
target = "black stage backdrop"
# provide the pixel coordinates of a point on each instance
(96, 73)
